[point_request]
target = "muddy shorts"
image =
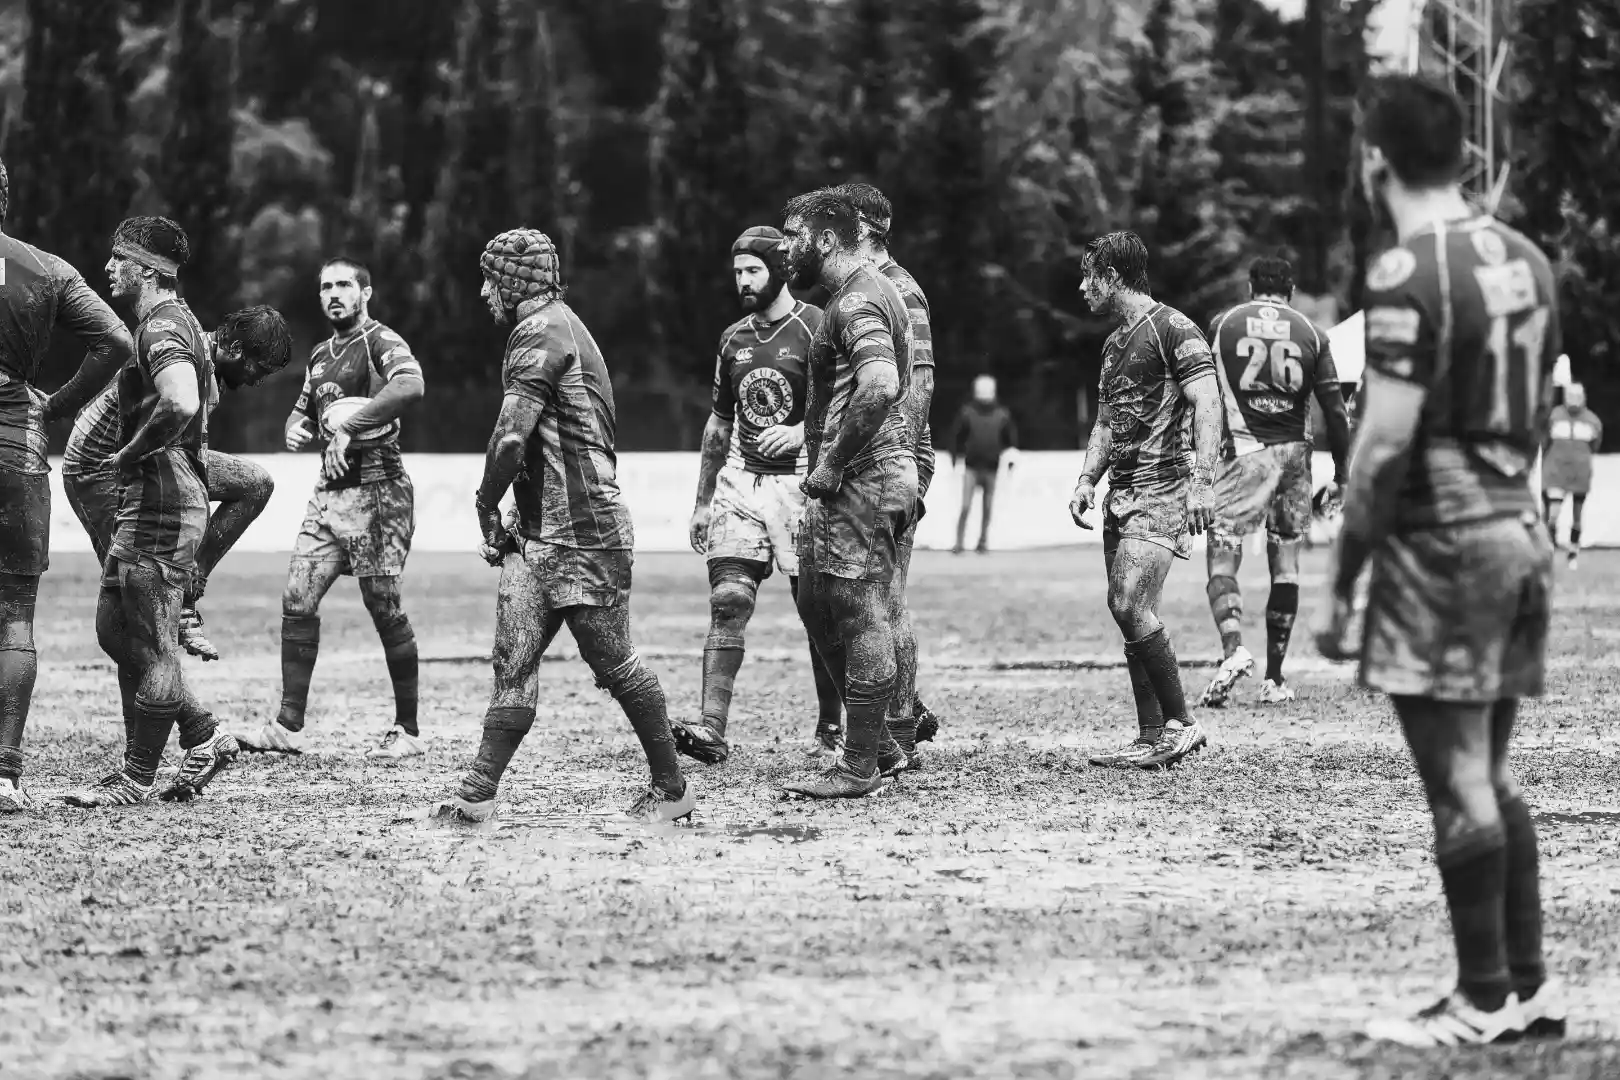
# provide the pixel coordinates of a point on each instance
(94, 498)
(25, 523)
(365, 530)
(756, 516)
(1155, 512)
(572, 577)
(1460, 612)
(855, 533)
(162, 515)
(1269, 487)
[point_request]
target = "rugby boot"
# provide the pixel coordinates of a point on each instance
(1545, 1016)
(396, 743)
(458, 811)
(892, 760)
(1451, 1021)
(114, 789)
(701, 741)
(1233, 668)
(271, 738)
(192, 638)
(13, 799)
(1275, 693)
(927, 721)
(201, 764)
(656, 806)
(1126, 757)
(837, 782)
(1180, 738)
(827, 744)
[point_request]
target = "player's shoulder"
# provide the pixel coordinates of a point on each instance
(19, 254)
(866, 292)
(902, 279)
(1168, 320)
(384, 337)
(539, 328)
(809, 315)
(731, 333)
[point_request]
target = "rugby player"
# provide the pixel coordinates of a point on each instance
(569, 561)
(1574, 434)
(1271, 361)
(749, 505)
(162, 515)
(1462, 330)
(910, 721)
(38, 292)
(248, 347)
(1159, 400)
(862, 483)
(362, 515)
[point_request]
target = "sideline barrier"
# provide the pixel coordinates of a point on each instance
(1031, 509)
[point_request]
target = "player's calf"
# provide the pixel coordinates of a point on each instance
(19, 667)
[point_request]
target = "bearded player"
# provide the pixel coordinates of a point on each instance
(249, 346)
(362, 516)
(749, 505)
(569, 562)
(162, 515)
(862, 483)
(1574, 434)
(910, 721)
(1271, 361)
(1462, 332)
(38, 292)
(1160, 405)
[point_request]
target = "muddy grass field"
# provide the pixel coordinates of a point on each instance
(1009, 912)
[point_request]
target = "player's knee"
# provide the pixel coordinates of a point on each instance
(1122, 604)
(381, 597)
(298, 602)
(732, 600)
(627, 678)
(1283, 554)
(260, 486)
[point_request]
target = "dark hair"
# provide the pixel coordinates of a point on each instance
(1272, 275)
(262, 333)
(160, 236)
(872, 205)
(362, 273)
(830, 209)
(1125, 254)
(1418, 124)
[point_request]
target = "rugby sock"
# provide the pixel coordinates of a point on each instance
(11, 762)
(19, 666)
(1574, 536)
(1226, 603)
(399, 647)
(154, 720)
(1473, 872)
(1523, 899)
(197, 724)
(1159, 659)
(637, 691)
(1149, 717)
(829, 703)
(866, 706)
(300, 645)
(128, 682)
(504, 728)
(1281, 608)
(722, 659)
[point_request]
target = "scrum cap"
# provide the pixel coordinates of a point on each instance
(523, 264)
(765, 242)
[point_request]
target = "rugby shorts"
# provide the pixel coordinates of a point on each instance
(162, 515)
(94, 499)
(756, 516)
(574, 577)
(365, 530)
(1268, 487)
(856, 532)
(1155, 512)
(25, 522)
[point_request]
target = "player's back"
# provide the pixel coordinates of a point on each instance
(32, 287)
(1469, 310)
(96, 434)
(1270, 359)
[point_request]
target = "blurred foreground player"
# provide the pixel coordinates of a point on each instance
(1157, 435)
(862, 483)
(1462, 329)
(1271, 361)
(162, 515)
(362, 514)
(38, 292)
(570, 560)
(1574, 434)
(749, 506)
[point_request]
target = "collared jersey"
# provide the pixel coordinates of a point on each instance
(168, 336)
(1271, 359)
(1573, 437)
(97, 430)
(922, 338)
(1468, 310)
(357, 364)
(759, 383)
(1145, 366)
(865, 323)
(568, 492)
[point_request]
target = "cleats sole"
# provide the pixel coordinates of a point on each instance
(701, 750)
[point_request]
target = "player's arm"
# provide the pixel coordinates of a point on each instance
(1335, 417)
(403, 386)
(299, 430)
(531, 376)
(1099, 451)
(712, 454)
(103, 333)
(1190, 360)
(174, 377)
(869, 343)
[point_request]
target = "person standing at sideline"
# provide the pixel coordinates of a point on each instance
(982, 434)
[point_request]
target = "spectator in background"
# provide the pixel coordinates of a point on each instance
(983, 432)
(1574, 434)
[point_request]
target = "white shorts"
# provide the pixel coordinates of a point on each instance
(756, 516)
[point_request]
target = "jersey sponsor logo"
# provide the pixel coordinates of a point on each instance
(1191, 348)
(315, 370)
(1181, 322)
(1271, 404)
(745, 355)
(918, 317)
(1397, 326)
(1268, 313)
(851, 303)
(766, 397)
(785, 353)
(1507, 289)
(1489, 247)
(160, 325)
(1268, 327)
(1392, 268)
(163, 348)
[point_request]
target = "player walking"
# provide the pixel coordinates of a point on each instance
(749, 505)
(38, 292)
(362, 516)
(1159, 401)
(248, 347)
(862, 483)
(1271, 360)
(162, 514)
(570, 560)
(1574, 434)
(1462, 329)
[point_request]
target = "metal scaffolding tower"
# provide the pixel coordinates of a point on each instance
(1466, 42)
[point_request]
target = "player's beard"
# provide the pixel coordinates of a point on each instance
(804, 268)
(754, 303)
(342, 321)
